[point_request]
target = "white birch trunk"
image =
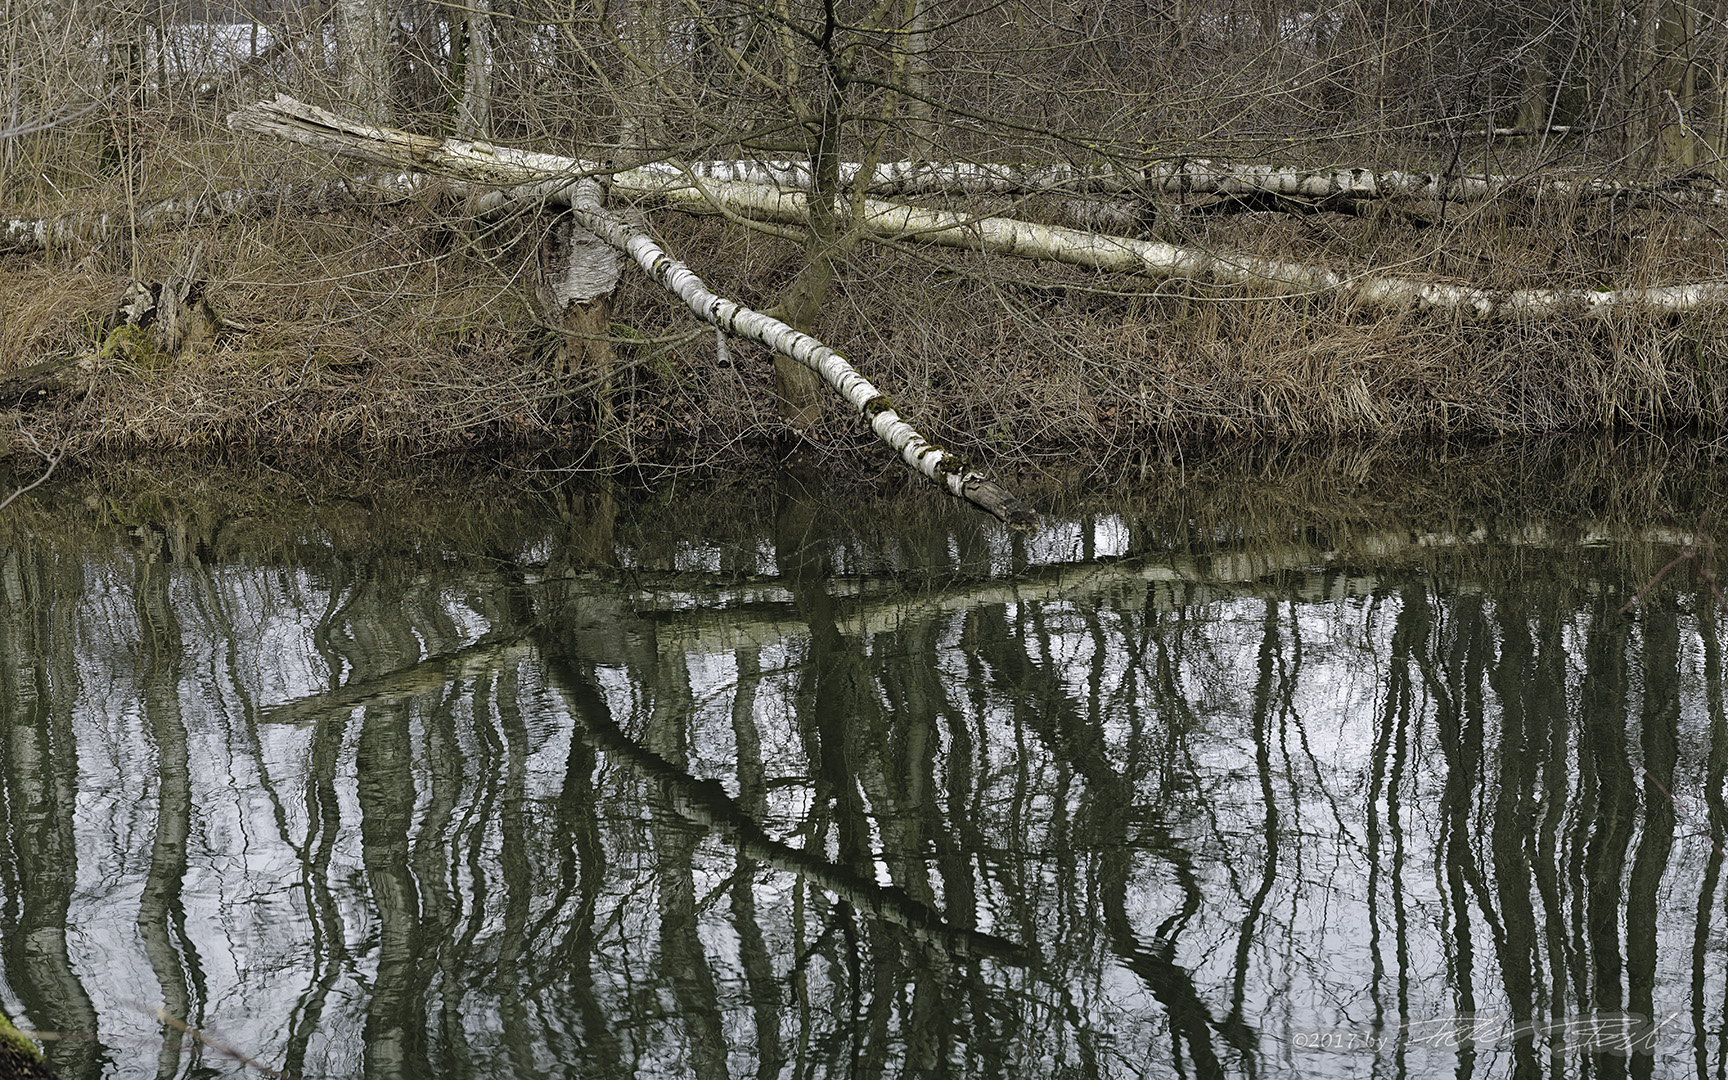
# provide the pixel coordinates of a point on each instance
(499, 166)
(1174, 178)
(583, 197)
(363, 56)
(940, 467)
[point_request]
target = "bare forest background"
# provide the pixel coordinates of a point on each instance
(1572, 145)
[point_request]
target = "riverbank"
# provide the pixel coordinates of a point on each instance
(1264, 494)
(386, 325)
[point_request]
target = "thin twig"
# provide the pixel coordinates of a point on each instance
(52, 462)
(220, 1047)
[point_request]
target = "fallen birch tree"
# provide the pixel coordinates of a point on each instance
(583, 197)
(536, 176)
(1195, 176)
(1155, 259)
(935, 464)
(894, 178)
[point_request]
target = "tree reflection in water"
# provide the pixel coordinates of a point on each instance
(769, 785)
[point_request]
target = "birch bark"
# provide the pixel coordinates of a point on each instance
(546, 177)
(578, 273)
(937, 465)
(362, 56)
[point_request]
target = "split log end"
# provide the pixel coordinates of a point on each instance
(1000, 503)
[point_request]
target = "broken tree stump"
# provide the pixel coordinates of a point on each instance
(152, 321)
(578, 273)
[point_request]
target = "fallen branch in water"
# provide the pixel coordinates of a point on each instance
(53, 461)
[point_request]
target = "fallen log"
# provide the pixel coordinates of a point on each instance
(536, 176)
(895, 178)
(1185, 176)
(881, 219)
(96, 228)
(583, 197)
(38, 384)
(935, 464)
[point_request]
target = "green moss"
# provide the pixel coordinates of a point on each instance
(131, 343)
(20, 1059)
(952, 465)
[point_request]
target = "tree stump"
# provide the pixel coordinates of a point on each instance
(156, 321)
(578, 273)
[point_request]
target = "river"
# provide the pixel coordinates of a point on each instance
(1260, 768)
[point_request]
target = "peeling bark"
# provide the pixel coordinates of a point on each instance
(578, 272)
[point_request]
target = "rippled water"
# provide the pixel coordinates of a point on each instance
(1253, 777)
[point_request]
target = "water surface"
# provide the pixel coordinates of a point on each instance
(1259, 771)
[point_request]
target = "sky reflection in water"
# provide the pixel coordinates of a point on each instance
(763, 783)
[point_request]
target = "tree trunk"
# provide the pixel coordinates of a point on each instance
(640, 98)
(363, 57)
(914, 57)
(797, 389)
(543, 176)
(290, 119)
(1674, 83)
(935, 464)
(578, 273)
(1098, 251)
(474, 111)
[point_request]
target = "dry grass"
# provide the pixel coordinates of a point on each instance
(393, 326)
